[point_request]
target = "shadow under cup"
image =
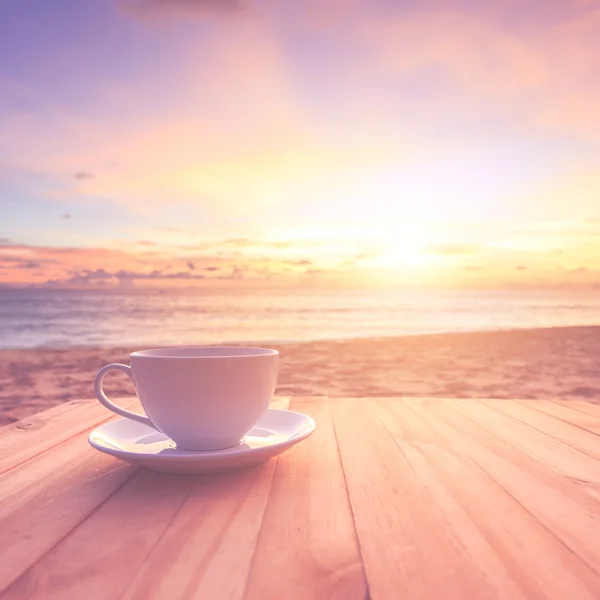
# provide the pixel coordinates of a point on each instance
(204, 398)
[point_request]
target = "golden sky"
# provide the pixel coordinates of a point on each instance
(277, 144)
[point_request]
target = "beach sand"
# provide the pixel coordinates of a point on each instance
(538, 363)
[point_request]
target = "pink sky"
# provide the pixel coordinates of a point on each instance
(449, 143)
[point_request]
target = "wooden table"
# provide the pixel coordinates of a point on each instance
(389, 498)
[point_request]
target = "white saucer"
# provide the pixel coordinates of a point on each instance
(275, 432)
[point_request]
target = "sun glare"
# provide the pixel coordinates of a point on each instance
(406, 248)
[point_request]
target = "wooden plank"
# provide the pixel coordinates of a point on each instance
(158, 536)
(44, 499)
(570, 514)
(571, 435)
(99, 557)
(307, 547)
(591, 408)
(207, 550)
(29, 437)
(570, 414)
(38, 419)
(507, 543)
(65, 481)
(556, 457)
(407, 547)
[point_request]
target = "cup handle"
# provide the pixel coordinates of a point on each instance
(111, 405)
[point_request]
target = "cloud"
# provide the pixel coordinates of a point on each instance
(494, 62)
(236, 273)
(19, 261)
(262, 145)
(521, 268)
(113, 266)
(29, 264)
(157, 275)
(11, 258)
(84, 277)
(300, 262)
(97, 274)
(66, 216)
(5, 242)
(81, 175)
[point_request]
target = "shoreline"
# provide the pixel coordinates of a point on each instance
(532, 363)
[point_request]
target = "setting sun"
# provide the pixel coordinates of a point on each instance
(445, 156)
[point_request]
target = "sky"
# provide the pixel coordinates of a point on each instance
(281, 144)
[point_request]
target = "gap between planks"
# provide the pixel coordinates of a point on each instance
(382, 487)
(19, 443)
(307, 544)
(47, 484)
(173, 511)
(560, 505)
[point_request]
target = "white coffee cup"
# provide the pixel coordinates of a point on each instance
(204, 398)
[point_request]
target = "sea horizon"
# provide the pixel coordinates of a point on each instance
(64, 318)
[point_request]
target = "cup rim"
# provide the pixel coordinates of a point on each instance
(220, 352)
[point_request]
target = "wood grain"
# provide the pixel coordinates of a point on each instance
(570, 414)
(99, 558)
(591, 408)
(556, 456)
(207, 550)
(27, 438)
(423, 498)
(307, 547)
(408, 548)
(581, 439)
(520, 556)
(32, 436)
(562, 507)
(44, 499)
(132, 521)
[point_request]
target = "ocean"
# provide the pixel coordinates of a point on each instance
(32, 318)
